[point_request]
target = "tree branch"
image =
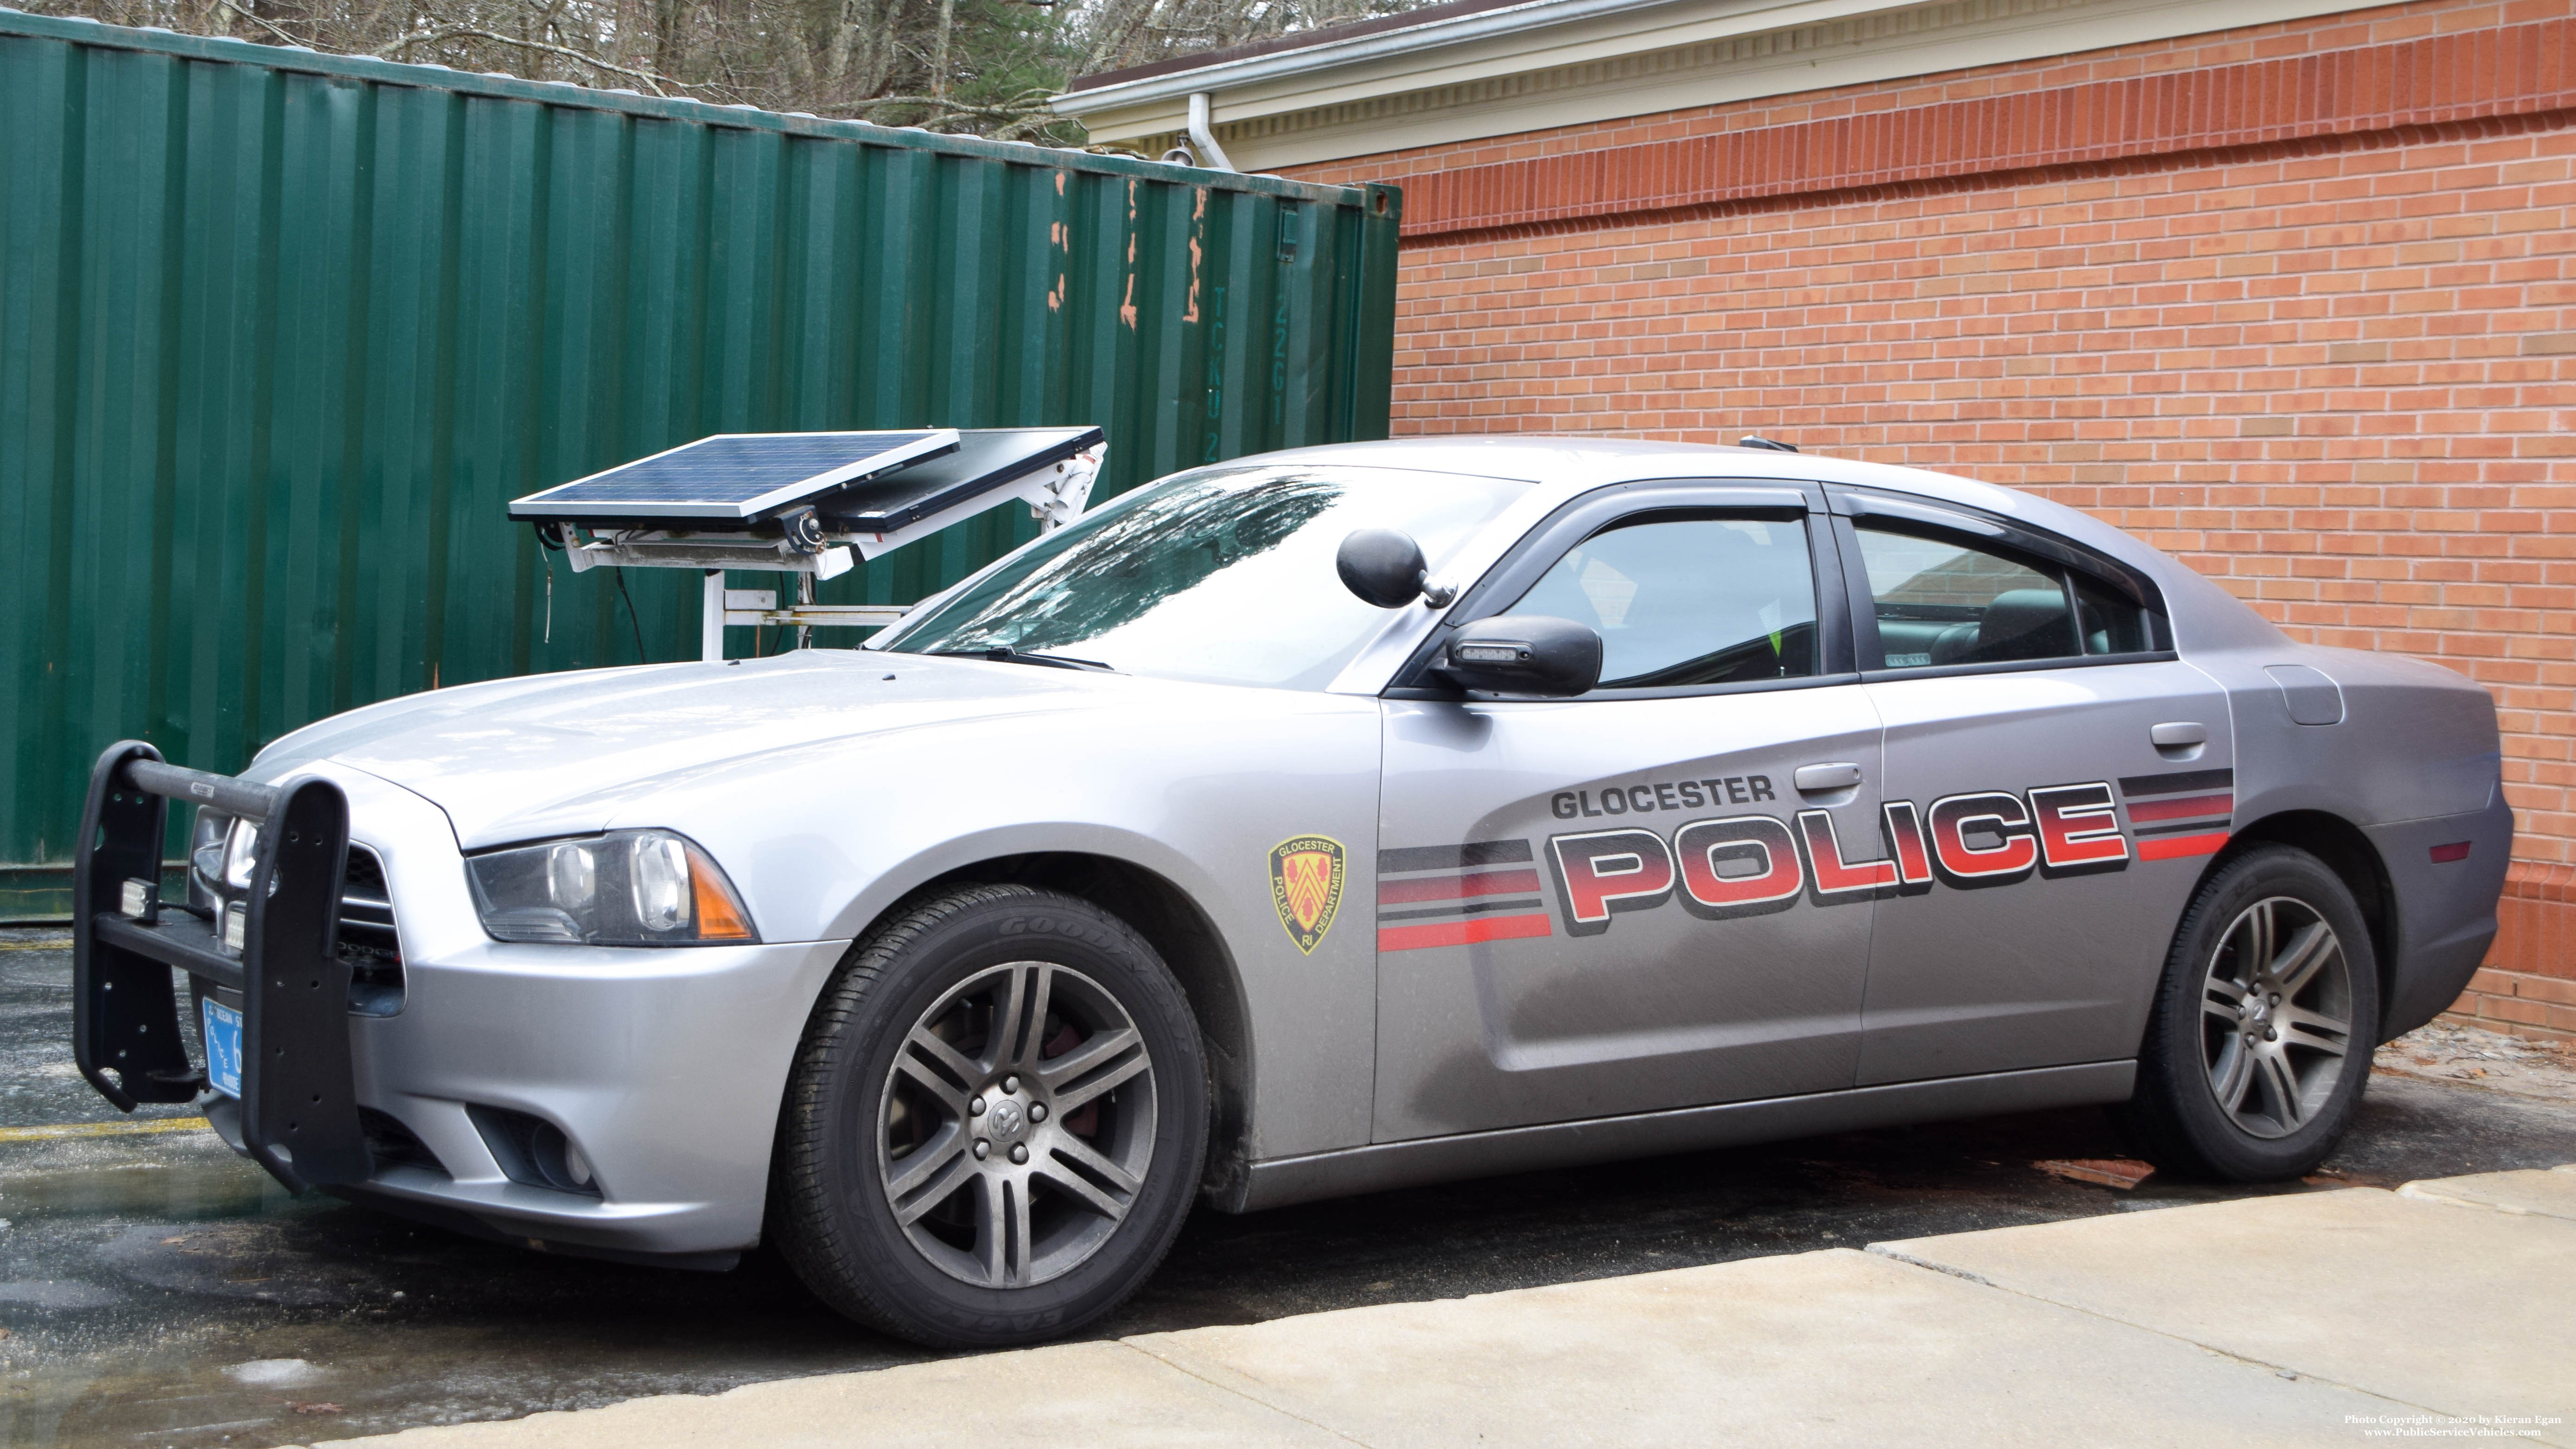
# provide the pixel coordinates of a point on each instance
(260, 20)
(470, 32)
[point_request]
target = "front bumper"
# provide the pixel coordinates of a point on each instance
(665, 1066)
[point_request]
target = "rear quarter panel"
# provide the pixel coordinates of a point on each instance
(2414, 763)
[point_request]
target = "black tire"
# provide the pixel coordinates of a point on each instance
(870, 1101)
(2209, 1041)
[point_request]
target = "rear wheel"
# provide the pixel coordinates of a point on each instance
(995, 1127)
(2259, 1044)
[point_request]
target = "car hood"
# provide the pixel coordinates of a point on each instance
(521, 759)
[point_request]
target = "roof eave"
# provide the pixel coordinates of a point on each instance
(1250, 70)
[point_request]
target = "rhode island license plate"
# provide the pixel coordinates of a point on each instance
(223, 1046)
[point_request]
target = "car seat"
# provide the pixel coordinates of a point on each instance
(2017, 624)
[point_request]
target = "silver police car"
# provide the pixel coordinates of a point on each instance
(1315, 823)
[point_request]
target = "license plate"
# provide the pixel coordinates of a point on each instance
(223, 1046)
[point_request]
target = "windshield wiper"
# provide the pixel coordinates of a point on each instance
(1006, 655)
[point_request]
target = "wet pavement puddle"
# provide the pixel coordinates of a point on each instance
(158, 1290)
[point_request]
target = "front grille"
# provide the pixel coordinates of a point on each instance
(368, 941)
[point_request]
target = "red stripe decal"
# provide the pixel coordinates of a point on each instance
(2181, 809)
(2174, 847)
(1458, 887)
(1460, 933)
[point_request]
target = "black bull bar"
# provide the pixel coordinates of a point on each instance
(299, 1108)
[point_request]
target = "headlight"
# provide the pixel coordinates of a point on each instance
(241, 854)
(625, 888)
(222, 854)
(206, 855)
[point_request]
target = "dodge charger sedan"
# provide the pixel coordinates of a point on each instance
(1316, 823)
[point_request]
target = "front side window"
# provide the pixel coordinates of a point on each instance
(1689, 601)
(1223, 574)
(1941, 600)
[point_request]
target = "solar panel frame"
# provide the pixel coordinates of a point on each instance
(986, 459)
(638, 506)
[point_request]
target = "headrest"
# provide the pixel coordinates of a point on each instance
(2025, 624)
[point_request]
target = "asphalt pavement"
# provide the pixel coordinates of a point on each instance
(156, 1289)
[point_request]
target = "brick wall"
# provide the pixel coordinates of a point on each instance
(2297, 303)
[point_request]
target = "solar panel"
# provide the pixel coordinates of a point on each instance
(734, 477)
(986, 458)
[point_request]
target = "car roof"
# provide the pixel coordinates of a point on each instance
(1578, 464)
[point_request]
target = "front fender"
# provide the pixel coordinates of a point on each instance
(1194, 784)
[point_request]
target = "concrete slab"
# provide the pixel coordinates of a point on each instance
(2550, 1193)
(2462, 1313)
(2309, 1318)
(1826, 1348)
(1073, 1393)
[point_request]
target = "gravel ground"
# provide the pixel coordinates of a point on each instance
(2449, 1051)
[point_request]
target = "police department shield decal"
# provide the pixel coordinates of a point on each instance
(1306, 886)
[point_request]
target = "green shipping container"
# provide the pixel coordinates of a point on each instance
(281, 334)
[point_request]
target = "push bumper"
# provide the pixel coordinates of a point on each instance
(664, 1067)
(299, 1115)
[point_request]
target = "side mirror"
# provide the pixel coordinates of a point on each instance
(1525, 654)
(1382, 566)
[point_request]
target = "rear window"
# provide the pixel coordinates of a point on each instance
(1942, 600)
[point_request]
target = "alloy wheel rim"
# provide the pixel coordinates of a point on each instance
(2276, 1017)
(1016, 1126)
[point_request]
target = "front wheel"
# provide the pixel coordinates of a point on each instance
(2260, 1039)
(995, 1126)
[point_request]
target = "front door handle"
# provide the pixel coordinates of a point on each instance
(1818, 779)
(2177, 733)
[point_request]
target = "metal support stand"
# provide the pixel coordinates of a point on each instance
(711, 618)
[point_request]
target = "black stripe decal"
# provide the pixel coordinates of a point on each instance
(2185, 782)
(1453, 857)
(1471, 908)
(2206, 825)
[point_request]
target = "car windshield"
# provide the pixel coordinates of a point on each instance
(1223, 574)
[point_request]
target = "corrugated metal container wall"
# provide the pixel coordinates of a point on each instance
(281, 333)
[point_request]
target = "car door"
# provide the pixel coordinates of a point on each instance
(1625, 902)
(2055, 779)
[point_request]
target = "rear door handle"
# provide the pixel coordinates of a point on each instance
(2179, 732)
(1817, 779)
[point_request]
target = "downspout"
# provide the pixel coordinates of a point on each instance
(1203, 135)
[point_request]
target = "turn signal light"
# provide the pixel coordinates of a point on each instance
(720, 916)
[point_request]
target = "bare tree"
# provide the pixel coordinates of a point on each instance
(984, 67)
